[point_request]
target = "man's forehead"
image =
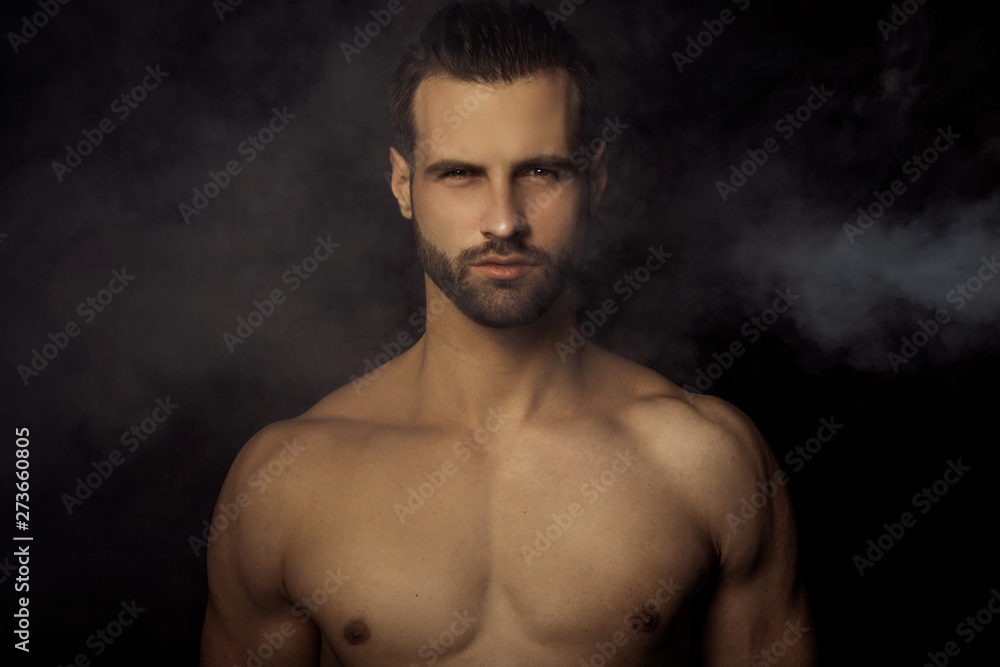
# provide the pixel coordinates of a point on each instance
(458, 119)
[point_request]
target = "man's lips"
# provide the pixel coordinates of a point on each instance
(504, 261)
(504, 268)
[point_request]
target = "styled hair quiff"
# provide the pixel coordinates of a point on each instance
(491, 42)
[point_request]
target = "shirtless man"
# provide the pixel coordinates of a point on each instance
(484, 499)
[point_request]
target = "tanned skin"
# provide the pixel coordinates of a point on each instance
(482, 501)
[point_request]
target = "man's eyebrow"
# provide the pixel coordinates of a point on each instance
(446, 165)
(553, 162)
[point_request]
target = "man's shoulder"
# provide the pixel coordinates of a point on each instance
(706, 454)
(320, 441)
(702, 439)
(274, 478)
(706, 432)
(654, 400)
(321, 431)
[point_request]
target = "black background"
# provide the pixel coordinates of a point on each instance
(324, 175)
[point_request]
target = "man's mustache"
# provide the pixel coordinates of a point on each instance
(502, 248)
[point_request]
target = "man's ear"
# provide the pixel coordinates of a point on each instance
(401, 183)
(598, 175)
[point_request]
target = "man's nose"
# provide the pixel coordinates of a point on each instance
(504, 215)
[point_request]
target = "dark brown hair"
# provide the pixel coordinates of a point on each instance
(491, 42)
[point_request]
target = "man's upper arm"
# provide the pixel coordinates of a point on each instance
(248, 612)
(759, 609)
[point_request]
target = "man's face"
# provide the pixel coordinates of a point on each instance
(499, 209)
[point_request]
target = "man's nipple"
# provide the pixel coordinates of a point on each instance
(356, 632)
(646, 620)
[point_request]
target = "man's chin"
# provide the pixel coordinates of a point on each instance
(502, 320)
(503, 304)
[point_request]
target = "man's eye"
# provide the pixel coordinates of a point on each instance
(541, 172)
(458, 173)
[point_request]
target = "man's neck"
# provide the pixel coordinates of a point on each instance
(463, 369)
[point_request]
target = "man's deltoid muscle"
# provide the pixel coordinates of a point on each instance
(484, 500)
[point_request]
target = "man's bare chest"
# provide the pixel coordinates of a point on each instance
(437, 554)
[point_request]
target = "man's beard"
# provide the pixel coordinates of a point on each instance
(491, 302)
